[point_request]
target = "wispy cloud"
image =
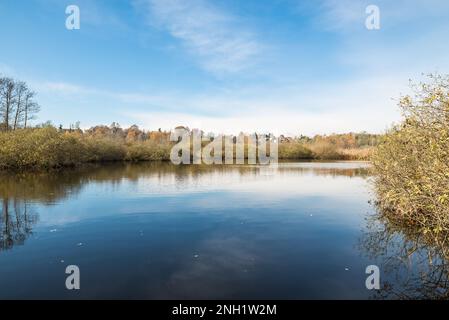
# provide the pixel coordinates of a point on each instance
(349, 15)
(6, 70)
(218, 39)
(339, 14)
(350, 106)
(61, 88)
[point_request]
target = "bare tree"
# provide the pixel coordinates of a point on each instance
(7, 100)
(31, 108)
(17, 105)
(21, 91)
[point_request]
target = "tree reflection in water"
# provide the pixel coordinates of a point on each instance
(16, 221)
(18, 191)
(413, 265)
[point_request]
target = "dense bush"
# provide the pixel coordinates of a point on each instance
(49, 148)
(294, 150)
(363, 154)
(325, 151)
(412, 161)
(103, 149)
(43, 148)
(148, 151)
(321, 150)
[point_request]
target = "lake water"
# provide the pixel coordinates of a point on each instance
(159, 231)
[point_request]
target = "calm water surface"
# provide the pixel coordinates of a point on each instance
(157, 231)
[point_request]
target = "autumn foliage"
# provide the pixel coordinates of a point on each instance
(412, 161)
(49, 147)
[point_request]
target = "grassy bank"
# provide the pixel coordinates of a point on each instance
(412, 162)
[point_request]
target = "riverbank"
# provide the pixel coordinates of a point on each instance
(48, 147)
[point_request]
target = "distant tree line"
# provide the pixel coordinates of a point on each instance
(17, 104)
(46, 146)
(344, 140)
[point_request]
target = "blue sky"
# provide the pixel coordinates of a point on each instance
(284, 66)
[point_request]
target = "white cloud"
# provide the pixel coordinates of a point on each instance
(61, 88)
(350, 15)
(350, 106)
(355, 105)
(6, 71)
(220, 41)
(339, 14)
(291, 122)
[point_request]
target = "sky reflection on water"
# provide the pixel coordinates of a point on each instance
(157, 231)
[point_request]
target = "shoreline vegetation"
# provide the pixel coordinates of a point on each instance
(411, 163)
(45, 146)
(48, 147)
